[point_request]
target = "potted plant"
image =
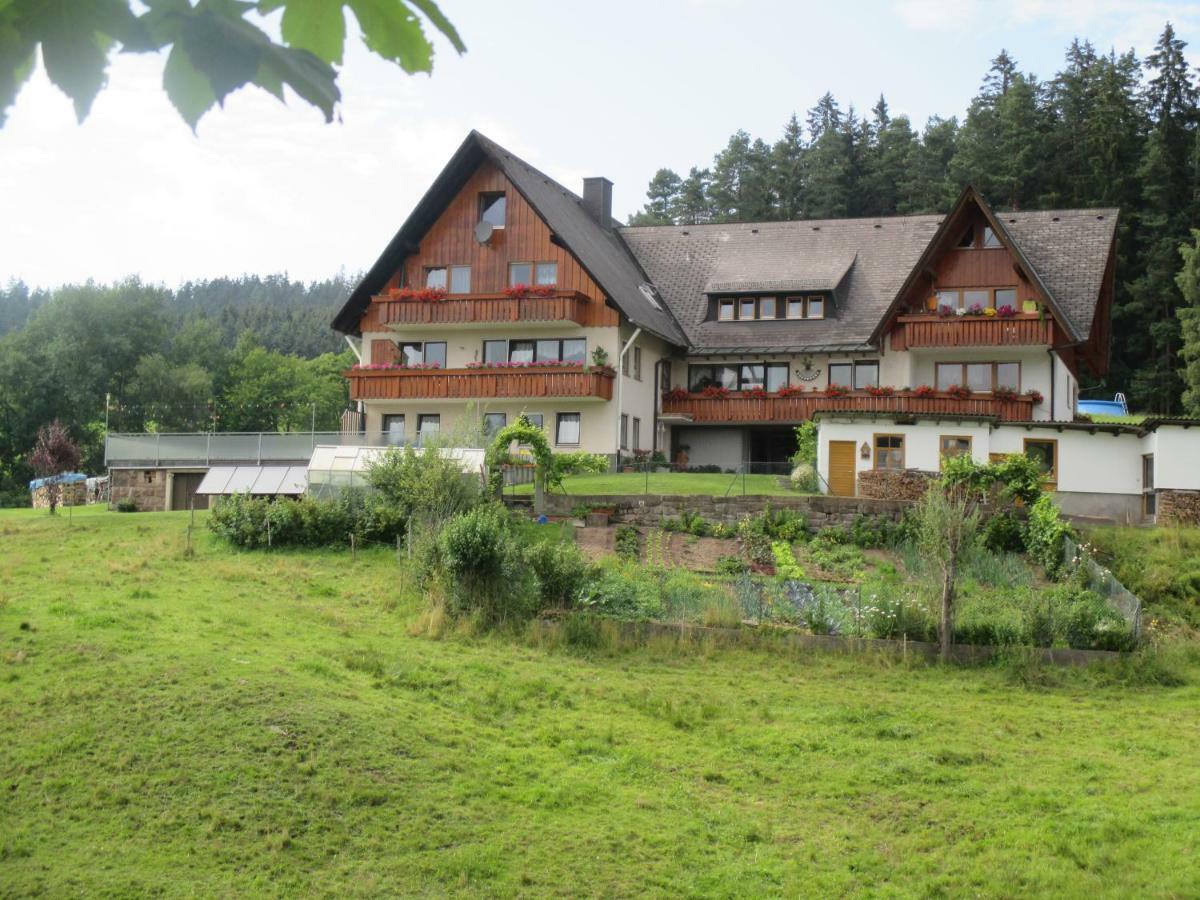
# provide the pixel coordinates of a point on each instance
(837, 390)
(1004, 393)
(880, 390)
(676, 393)
(715, 391)
(946, 311)
(757, 393)
(789, 390)
(1035, 396)
(1006, 311)
(1029, 306)
(959, 391)
(924, 390)
(659, 461)
(681, 456)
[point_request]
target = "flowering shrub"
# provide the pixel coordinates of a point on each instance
(388, 367)
(676, 393)
(959, 391)
(1035, 396)
(1006, 311)
(924, 390)
(1004, 393)
(880, 390)
(789, 391)
(423, 294)
(715, 390)
(837, 390)
(517, 291)
(754, 392)
(535, 364)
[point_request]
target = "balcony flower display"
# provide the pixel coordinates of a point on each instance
(924, 390)
(789, 390)
(1004, 393)
(393, 367)
(959, 391)
(517, 291)
(880, 390)
(946, 311)
(990, 312)
(837, 390)
(676, 393)
(426, 295)
(757, 393)
(531, 364)
(605, 369)
(1006, 311)
(976, 309)
(715, 390)
(1035, 396)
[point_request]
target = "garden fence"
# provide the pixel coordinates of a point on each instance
(1104, 583)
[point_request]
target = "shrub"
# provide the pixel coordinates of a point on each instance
(562, 571)
(756, 544)
(485, 566)
(804, 478)
(1004, 533)
(732, 565)
(575, 463)
(252, 522)
(628, 544)
(622, 592)
(127, 505)
(1044, 535)
(429, 485)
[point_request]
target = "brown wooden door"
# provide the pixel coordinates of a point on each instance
(841, 468)
(183, 490)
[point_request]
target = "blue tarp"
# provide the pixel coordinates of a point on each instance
(64, 478)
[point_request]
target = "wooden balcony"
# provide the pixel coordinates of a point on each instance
(467, 309)
(470, 384)
(740, 408)
(912, 332)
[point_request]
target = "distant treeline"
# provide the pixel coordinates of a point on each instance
(1106, 130)
(232, 354)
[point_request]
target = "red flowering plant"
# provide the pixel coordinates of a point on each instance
(946, 311)
(756, 392)
(975, 309)
(1035, 396)
(789, 390)
(924, 390)
(517, 291)
(426, 295)
(880, 390)
(959, 391)
(393, 367)
(1007, 311)
(1004, 393)
(837, 390)
(676, 393)
(531, 364)
(715, 390)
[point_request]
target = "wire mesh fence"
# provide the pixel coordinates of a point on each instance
(1104, 583)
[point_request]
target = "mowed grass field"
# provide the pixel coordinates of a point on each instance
(230, 724)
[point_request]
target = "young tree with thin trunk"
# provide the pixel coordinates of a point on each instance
(53, 454)
(948, 519)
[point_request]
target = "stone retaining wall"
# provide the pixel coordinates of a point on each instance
(649, 509)
(1178, 507)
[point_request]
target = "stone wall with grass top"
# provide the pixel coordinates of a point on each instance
(651, 509)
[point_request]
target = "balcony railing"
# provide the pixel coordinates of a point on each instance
(468, 384)
(1022, 330)
(740, 408)
(464, 309)
(215, 448)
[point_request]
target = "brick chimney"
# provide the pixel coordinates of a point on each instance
(597, 199)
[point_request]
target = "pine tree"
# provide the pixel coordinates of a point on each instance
(787, 165)
(662, 195)
(695, 207)
(1188, 282)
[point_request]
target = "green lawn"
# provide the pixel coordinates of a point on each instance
(250, 724)
(717, 485)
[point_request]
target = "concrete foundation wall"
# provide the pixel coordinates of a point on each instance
(1124, 509)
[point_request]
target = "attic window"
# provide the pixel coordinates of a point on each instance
(492, 208)
(990, 241)
(968, 239)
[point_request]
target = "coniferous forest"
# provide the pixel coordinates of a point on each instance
(1108, 129)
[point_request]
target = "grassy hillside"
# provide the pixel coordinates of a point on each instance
(242, 724)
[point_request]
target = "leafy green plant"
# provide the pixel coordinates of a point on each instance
(127, 505)
(485, 566)
(786, 566)
(627, 543)
(1045, 532)
(562, 571)
(732, 565)
(428, 485)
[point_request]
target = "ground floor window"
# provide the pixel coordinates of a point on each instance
(1045, 453)
(624, 431)
(393, 429)
(858, 375)
(428, 426)
(889, 451)
(637, 433)
(953, 445)
(537, 420)
(566, 429)
(492, 423)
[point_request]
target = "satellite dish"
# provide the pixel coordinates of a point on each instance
(483, 232)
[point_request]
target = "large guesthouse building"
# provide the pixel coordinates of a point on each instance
(907, 338)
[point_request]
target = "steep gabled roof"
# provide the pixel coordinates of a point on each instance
(598, 249)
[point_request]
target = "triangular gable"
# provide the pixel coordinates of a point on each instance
(945, 239)
(599, 251)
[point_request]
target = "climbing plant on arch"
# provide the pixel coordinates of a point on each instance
(526, 433)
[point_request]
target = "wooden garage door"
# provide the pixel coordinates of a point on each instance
(183, 490)
(841, 468)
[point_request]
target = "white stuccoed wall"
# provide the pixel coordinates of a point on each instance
(1176, 457)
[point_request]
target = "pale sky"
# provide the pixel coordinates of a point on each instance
(617, 89)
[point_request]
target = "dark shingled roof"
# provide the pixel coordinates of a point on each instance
(1067, 249)
(599, 249)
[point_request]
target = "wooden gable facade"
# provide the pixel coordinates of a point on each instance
(526, 237)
